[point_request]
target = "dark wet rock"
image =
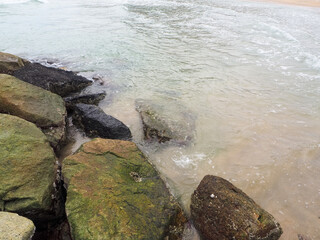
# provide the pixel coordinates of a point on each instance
(222, 211)
(167, 121)
(55, 80)
(86, 98)
(27, 169)
(96, 123)
(115, 193)
(10, 63)
(15, 227)
(34, 104)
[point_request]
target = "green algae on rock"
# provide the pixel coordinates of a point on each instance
(10, 63)
(34, 104)
(27, 168)
(115, 193)
(15, 227)
(222, 211)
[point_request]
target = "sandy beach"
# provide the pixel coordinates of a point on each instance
(306, 3)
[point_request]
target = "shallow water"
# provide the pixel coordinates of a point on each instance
(249, 72)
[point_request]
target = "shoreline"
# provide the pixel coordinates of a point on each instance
(304, 3)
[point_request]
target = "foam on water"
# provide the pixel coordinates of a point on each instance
(185, 161)
(13, 1)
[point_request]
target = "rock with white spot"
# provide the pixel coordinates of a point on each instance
(222, 211)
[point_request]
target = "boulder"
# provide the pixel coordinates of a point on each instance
(86, 98)
(55, 80)
(222, 211)
(34, 104)
(96, 123)
(27, 169)
(165, 122)
(113, 192)
(303, 237)
(15, 227)
(10, 63)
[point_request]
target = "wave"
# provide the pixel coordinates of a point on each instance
(21, 1)
(13, 1)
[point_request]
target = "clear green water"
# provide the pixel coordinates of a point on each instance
(249, 72)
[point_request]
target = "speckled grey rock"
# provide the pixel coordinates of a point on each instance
(15, 227)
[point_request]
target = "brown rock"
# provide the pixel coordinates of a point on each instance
(222, 211)
(303, 237)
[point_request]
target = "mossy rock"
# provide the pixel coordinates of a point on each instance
(31, 103)
(45, 109)
(27, 168)
(113, 192)
(220, 210)
(10, 63)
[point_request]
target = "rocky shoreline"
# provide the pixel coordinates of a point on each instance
(107, 189)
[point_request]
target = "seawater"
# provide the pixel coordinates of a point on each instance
(248, 71)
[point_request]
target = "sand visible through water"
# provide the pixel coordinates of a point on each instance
(248, 71)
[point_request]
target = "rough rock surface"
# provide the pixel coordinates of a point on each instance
(27, 168)
(115, 193)
(96, 123)
(10, 63)
(55, 80)
(34, 104)
(303, 237)
(222, 211)
(166, 122)
(15, 227)
(86, 98)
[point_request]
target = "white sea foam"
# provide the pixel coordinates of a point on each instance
(186, 161)
(21, 1)
(13, 1)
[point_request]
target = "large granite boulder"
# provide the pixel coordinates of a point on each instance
(15, 227)
(96, 123)
(167, 121)
(222, 211)
(113, 192)
(10, 63)
(55, 80)
(27, 169)
(34, 104)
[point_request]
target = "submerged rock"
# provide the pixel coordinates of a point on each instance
(10, 63)
(303, 237)
(166, 122)
(115, 193)
(34, 104)
(86, 98)
(96, 123)
(27, 169)
(55, 80)
(222, 211)
(15, 227)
